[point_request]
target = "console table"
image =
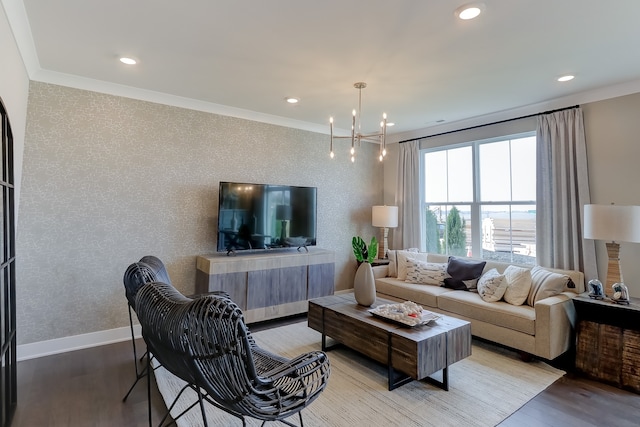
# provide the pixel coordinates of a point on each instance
(270, 284)
(608, 341)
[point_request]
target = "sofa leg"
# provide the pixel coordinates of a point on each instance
(525, 357)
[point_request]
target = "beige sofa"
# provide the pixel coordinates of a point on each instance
(544, 330)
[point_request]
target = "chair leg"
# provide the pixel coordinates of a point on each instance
(149, 388)
(139, 374)
(201, 400)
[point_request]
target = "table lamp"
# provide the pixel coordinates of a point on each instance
(385, 217)
(616, 224)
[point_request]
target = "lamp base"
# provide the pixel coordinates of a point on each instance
(614, 272)
(382, 245)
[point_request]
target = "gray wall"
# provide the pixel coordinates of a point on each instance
(109, 179)
(612, 132)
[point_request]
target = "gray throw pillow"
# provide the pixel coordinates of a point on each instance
(464, 273)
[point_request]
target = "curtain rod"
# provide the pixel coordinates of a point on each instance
(490, 124)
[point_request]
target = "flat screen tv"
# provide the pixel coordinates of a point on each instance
(265, 216)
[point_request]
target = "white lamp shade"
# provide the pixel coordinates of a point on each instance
(384, 216)
(612, 222)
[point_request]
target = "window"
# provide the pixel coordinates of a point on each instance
(480, 199)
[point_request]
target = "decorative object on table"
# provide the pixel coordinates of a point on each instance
(620, 293)
(384, 217)
(364, 285)
(357, 136)
(616, 224)
(407, 313)
(596, 291)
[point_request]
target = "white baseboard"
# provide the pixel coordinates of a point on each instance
(75, 342)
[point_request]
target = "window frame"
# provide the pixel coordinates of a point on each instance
(475, 204)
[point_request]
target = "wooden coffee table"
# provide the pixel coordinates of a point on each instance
(409, 353)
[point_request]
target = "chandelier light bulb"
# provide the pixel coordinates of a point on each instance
(353, 159)
(384, 152)
(380, 158)
(331, 155)
(353, 151)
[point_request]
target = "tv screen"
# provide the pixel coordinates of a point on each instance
(265, 216)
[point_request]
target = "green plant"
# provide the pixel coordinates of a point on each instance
(360, 250)
(456, 235)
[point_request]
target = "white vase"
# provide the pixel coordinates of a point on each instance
(364, 285)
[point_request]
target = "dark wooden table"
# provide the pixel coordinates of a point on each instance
(409, 353)
(608, 341)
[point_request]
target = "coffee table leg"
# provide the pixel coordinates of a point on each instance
(326, 347)
(397, 379)
(444, 384)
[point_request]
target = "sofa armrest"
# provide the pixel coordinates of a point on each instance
(555, 323)
(380, 271)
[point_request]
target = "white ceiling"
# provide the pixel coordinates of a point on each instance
(421, 63)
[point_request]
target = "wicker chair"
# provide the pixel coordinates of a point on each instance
(206, 343)
(148, 269)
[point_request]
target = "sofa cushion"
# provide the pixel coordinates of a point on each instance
(427, 296)
(492, 285)
(403, 256)
(464, 273)
(545, 283)
(518, 284)
(426, 273)
(470, 305)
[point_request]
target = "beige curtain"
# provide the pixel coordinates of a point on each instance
(408, 233)
(562, 191)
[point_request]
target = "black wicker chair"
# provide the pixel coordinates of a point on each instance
(148, 269)
(206, 343)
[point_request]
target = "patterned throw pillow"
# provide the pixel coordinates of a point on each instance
(518, 284)
(492, 286)
(426, 273)
(403, 257)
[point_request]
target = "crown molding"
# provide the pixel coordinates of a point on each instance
(580, 98)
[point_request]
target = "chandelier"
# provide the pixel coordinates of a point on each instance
(356, 133)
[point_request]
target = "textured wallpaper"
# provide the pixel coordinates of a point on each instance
(107, 180)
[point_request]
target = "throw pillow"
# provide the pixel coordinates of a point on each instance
(464, 273)
(426, 273)
(492, 286)
(393, 262)
(545, 283)
(518, 284)
(405, 255)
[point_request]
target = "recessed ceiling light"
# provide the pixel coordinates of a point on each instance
(469, 11)
(128, 61)
(566, 78)
(292, 100)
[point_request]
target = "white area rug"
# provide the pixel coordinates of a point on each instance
(484, 388)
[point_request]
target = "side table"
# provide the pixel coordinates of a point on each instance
(608, 341)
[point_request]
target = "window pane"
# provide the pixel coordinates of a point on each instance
(460, 174)
(509, 233)
(495, 172)
(523, 161)
(435, 176)
(448, 229)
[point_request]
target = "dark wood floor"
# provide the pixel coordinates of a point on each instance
(85, 388)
